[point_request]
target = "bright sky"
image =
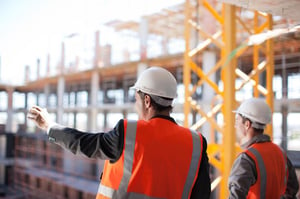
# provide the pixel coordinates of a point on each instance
(28, 28)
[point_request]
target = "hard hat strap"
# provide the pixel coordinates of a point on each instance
(162, 101)
(257, 125)
(254, 124)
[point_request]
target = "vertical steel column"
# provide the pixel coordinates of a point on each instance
(270, 73)
(229, 28)
(255, 54)
(186, 67)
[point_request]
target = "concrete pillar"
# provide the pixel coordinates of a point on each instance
(125, 94)
(105, 56)
(38, 68)
(93, 95)
(26, 108)
(60, 96)
(3, 142)
(105, 119)
(284, 105)
(27, 74)
(26, 100)
(9, 121)
(143, 38)
(3, 146)
(47, 94)
(48, 65)
(97, 50)
(75, 113)
(127, 83)
(37, 95)
(164, 44)
(61, 66)
(77, 63)
(208, 61)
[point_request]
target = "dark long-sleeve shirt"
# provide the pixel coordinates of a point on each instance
(109, 146)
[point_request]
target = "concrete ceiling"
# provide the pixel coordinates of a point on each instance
(289, 9)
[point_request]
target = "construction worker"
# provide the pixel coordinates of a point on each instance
(262, 170)
(150, 158)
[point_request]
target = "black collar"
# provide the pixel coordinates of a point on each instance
(164, 117)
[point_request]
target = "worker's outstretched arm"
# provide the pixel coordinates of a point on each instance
(94, 145)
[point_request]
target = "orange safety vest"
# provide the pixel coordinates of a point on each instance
(159, 160)
(272, 171)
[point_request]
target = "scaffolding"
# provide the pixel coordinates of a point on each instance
(216, 65)
(222, 153)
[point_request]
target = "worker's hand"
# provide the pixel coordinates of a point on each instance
(40, 116)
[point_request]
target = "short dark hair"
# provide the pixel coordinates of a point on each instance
(244, 119)
(157, 107)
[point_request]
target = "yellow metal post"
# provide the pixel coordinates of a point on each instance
(228, 78)
(255, 54)
(222, 153)
(270, 73)
(186, 67)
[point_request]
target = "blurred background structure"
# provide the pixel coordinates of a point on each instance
(221, 52)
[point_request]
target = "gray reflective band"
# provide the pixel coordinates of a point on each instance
(111, 193)
(194, 164)
(285, 166)
(127, 168)
(128, 157)
(262, 171)
(106, 191)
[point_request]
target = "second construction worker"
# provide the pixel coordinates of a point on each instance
(150, 158)
(263, 169)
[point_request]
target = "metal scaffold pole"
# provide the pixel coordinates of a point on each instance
(270, 72)
(228, 78)
(222, 148)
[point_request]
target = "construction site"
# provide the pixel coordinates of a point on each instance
(220, 52)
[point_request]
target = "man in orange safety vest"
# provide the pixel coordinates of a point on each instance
(262, 170)
(150, 158)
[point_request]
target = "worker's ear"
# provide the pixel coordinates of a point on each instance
(247, 124)
(147, 101)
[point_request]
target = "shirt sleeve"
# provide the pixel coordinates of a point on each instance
(292, 182)
(106, 146)
(242, 177)
(50, 126)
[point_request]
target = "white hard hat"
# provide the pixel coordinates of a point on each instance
(157, 82)
(257, 111)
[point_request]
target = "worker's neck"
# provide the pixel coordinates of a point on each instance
(152, 113)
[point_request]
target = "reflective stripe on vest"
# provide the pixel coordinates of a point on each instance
(128, 162)
(262, 171)
(193, 166)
